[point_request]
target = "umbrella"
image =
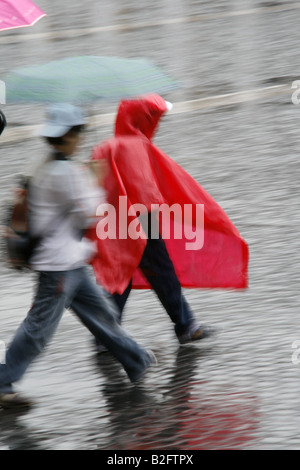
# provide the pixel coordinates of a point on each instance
(18, 13)
(84, 79)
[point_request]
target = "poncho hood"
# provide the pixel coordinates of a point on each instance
(140, 117)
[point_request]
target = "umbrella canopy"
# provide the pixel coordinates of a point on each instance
(18, 13)
(84, 79)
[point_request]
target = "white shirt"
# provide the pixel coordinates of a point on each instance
(63, 201)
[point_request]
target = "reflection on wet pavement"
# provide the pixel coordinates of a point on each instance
(176, 415)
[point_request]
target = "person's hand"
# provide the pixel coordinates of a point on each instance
(7, 232)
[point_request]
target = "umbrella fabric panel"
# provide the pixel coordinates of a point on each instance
(18, 13)
(85, 78)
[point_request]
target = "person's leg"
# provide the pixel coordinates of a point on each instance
(36, 330)
(120, 300)
(158, 269)
(99, 314)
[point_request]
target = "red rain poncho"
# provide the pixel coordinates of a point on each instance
(143, 174)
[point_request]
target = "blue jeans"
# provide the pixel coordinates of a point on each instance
(158, 269)
(75, 290)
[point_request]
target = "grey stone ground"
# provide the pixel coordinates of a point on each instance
(238, 390)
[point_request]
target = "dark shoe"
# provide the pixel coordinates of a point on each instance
(151, 361)
(99, 347)
(14, 400)
(195, 333)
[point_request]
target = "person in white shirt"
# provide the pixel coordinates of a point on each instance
(62, 205)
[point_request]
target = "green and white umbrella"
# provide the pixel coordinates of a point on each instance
(83, 79)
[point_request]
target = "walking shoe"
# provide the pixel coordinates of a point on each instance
(194, 333)
(14, 400)
(151, 361)
(100, 348)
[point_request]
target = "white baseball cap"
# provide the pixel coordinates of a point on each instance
(60, 118)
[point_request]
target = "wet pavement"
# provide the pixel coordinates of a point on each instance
(240, 389)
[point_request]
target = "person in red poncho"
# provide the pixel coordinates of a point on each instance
(141, 183)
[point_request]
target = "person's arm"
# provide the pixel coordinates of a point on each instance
(84, 196)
